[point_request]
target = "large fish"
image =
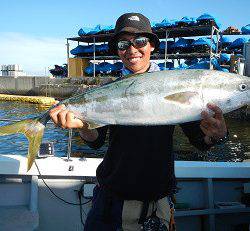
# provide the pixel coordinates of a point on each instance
(165, 97)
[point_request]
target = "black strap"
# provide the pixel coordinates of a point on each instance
(144, 212)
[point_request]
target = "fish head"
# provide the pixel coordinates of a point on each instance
(227, 90)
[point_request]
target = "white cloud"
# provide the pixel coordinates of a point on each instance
(34, 54)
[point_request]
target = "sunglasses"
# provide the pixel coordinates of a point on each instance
(138, 42)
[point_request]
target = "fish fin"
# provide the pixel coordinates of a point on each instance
(33, 129)
(182, 97)
(93, 125)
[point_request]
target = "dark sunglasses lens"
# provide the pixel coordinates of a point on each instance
(123, 45)
(140, 42)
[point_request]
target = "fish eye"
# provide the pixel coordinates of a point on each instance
(243, 87)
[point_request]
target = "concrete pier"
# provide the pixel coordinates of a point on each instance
(45, 86)
(39, 85)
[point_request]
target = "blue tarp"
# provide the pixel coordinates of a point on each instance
(78, 50)
(188, 20)
(90, 69)
(238, 43)
(82, 50)
(183, 43)
(97, 29)
(224, 58)
(208, 17)
(89, 49)
(117, 66)
(163, 46)
(217, 66)
(205, 64)
(102, 48)
(84, 31)
(245, 29)
(169, 65)
(205, 17)
(225, 41)
(105, 67)
(191, 61)
(204, 41)
(182, 66)
(107, 28)
(200, 65)
(165, 23)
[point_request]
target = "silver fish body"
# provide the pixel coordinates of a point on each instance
(165, 97)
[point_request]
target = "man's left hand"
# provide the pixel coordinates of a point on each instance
(213, 126)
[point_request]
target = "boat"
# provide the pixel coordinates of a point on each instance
(210, 194)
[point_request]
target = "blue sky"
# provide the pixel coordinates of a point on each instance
(32, 33)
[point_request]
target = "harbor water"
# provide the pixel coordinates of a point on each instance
(237, 149)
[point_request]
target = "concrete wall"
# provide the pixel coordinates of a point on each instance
(45, 86)
(36, 85)
(27, 85)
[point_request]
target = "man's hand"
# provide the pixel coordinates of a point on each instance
(213, 126)
(65, 119)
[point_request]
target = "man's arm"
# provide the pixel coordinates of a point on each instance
(207, 132)
(66, 119)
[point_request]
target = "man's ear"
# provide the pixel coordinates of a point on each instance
(152, 47)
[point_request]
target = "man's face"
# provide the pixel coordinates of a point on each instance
(135, 59)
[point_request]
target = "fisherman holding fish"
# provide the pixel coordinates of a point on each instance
(136, 179)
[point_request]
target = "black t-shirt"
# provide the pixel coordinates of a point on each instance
(139, 163)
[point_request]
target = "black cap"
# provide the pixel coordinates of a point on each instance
(133, 23)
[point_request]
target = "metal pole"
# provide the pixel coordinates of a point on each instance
(69, 145)
(211, 49)
(67, 44)
(94, 56)
(166, 49)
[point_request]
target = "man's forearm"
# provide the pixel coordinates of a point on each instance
(88, 135)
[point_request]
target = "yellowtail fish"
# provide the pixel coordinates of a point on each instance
(158, 98)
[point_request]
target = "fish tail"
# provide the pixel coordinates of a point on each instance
(33, 129)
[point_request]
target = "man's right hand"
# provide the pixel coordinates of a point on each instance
(65, 118)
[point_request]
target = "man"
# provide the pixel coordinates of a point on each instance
(136, 178)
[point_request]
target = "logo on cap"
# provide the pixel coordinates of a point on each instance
(134, 18)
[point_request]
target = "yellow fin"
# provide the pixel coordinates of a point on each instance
(182, 97)
(93, 125)
(33, 129)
